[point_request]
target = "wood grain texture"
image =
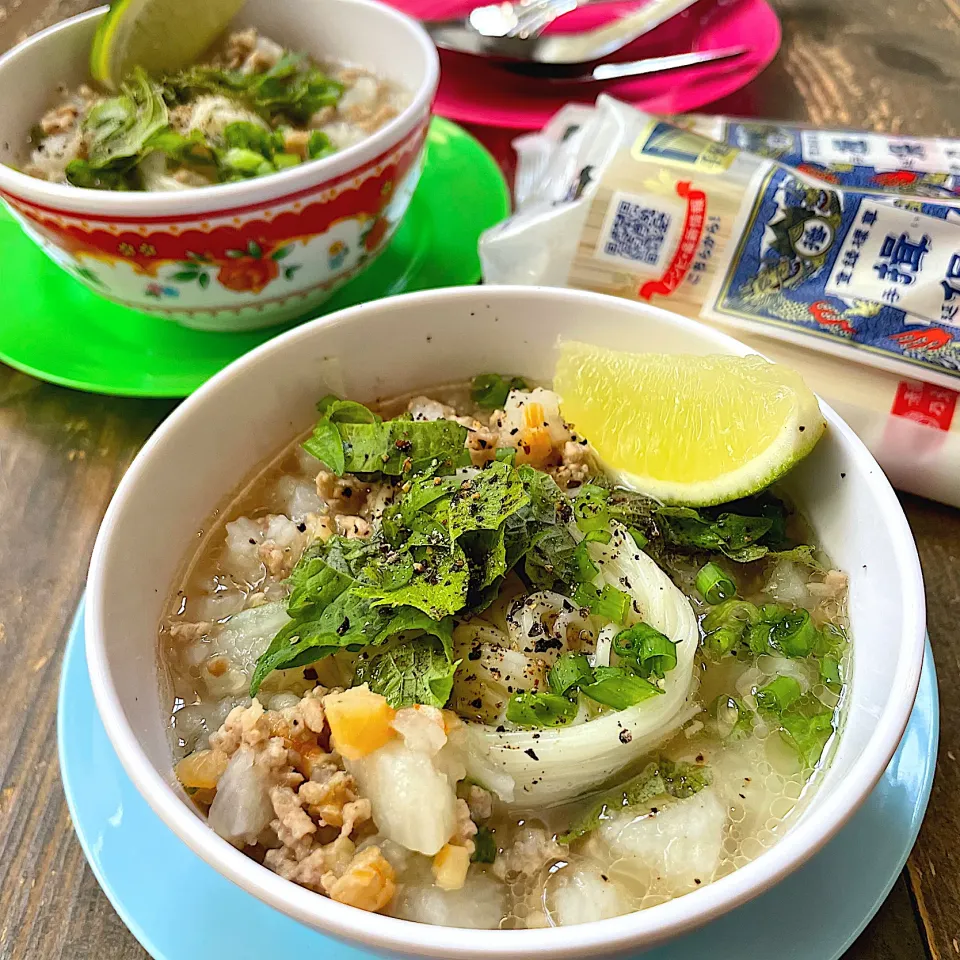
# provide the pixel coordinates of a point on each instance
(61, 456)
(888, 65)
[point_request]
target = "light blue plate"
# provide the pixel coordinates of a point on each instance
(180, 908)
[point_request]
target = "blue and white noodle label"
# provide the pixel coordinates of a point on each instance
(861, 271)
(922, 166)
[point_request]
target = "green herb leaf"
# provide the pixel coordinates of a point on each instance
(490, 390)
(658, 779)
(484, 501)
(393, 448)
(349, 622)
(416, 671)
(804, 722)
(292, 88)
(118, 128)
(438, 587)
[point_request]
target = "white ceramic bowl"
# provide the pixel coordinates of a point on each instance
(254, 407)
(241, 255)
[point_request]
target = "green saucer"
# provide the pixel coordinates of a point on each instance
(54, 328)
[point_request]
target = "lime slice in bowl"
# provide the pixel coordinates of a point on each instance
(161, 36)
(687, 429)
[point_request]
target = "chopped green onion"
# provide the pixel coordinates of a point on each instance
(795, 635)
(609, 603)
(613, 605)
(584, 568)
(773, 612)
(319, 145)
(246, 162)
(619, 689)
(758, 637)
(640, 539)
(648, 652)
(830, 672)
(714, 585)
(283, 161)
(540, 710)
(779, 694)
(590, 508)
(569, 672)
(734, 720)
(598, 536)
(725, 626)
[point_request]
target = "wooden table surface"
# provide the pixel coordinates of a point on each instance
(888, 65)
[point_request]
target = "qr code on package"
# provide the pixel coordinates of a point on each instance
(637, 232)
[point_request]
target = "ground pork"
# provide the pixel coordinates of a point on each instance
(315, 812)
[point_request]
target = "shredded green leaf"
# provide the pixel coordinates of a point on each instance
(660, 778)
(119, 127)
(368, 445)
(415, 671)
(293, 88)
(490, 390)
(804, 722)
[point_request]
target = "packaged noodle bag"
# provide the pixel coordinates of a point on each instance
(613, 200)
(919, 166)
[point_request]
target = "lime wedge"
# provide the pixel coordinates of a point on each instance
(687, 429)
(161, 36)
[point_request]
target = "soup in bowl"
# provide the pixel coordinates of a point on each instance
(494, 688)
(238, 192)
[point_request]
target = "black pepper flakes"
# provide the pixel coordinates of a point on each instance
(531, 753)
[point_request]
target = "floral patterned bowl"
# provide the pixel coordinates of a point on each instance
(239, 255)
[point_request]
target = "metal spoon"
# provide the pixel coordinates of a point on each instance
(489, 31)
(633, 68)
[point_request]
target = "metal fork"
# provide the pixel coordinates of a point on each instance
(511, 31)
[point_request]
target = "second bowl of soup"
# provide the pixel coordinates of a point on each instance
(238, 192)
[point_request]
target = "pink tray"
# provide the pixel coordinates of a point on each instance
(473, 90)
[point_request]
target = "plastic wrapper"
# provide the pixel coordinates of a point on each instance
(857, 287)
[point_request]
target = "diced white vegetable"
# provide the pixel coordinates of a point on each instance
(241, 809)
(583, 893)
(478, 905)
(677, 846)
(414, 803)
(514, 422)
(247, 634)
